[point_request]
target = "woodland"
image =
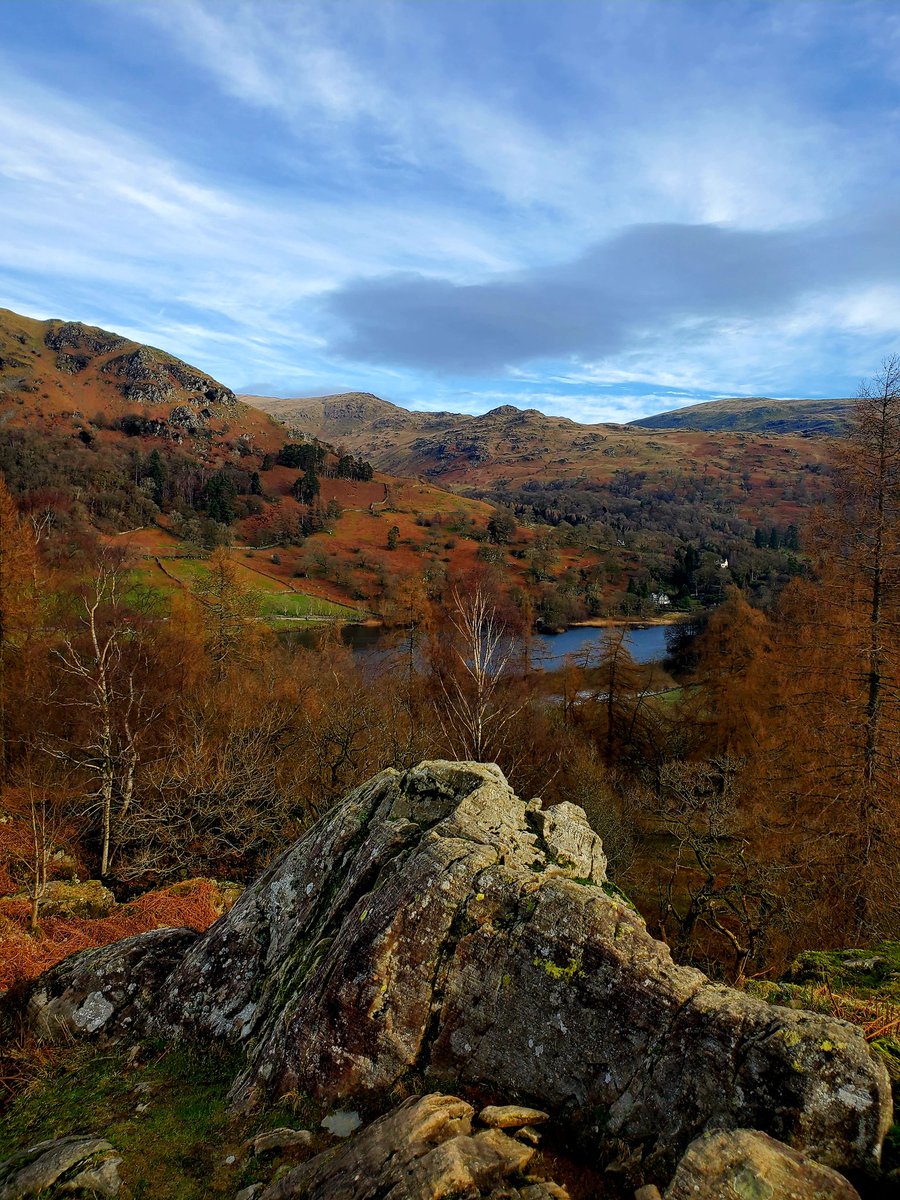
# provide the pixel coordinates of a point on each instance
(747, 804)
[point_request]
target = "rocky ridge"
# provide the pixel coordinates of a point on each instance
(434, 929)
(66, 357)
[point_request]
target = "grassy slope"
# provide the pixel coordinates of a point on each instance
(165, 1112)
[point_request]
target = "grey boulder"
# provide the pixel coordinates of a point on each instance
(60, 1167)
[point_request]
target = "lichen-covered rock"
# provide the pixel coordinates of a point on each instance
(108, 992)
(423, 1150)
(570, 842)
(75, 1165)
(73, 898)
(746, 1164)
(434, 924)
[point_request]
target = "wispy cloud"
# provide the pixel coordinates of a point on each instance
(442, 198)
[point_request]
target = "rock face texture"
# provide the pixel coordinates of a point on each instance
(107, 992)
(433, 925)
(743, 1163)
(424, 1150)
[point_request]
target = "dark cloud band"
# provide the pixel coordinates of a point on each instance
(645, 281)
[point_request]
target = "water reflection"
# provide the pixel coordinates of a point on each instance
(646, 645)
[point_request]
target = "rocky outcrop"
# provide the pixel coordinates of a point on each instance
(744, 1163)
(424, 1150)
(72, 335)
(72, 364)
(108, 992)
(69, 1166)
(151, 377)
(434, 925)
(188, 419)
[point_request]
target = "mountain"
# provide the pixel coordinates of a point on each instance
(360, 421)
(500, 451)
(513, 444)
(663, 509)
(61, 362)
(114, 439)
(103, 438)
(757, 414)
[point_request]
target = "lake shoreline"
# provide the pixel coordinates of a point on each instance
(629, 622)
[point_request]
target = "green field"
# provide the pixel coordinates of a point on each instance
(294, 604)
(275, 600)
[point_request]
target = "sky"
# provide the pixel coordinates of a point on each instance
(598, 208)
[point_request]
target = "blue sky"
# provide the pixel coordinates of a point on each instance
(599, 209)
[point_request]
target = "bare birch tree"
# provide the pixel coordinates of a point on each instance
(103, 665)
(474, 701)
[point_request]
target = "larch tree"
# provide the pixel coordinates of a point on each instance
(18, 601)
(734, 668)
(230, 613)
(840, 641)
(867, 475)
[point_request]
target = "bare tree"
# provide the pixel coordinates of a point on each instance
(474, 701)
(221, 795)
(715, 883)
(103, 665)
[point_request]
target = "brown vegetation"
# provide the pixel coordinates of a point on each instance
(149, 735)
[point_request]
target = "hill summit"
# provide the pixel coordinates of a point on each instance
(60, 360)
(756, 414)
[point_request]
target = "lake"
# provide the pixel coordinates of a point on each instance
(645, 644)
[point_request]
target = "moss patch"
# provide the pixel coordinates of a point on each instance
(165, 1113)
(875, 970)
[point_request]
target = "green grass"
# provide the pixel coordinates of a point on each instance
(273, 597)
(873, 972)
(295, 604)
(175, 1149)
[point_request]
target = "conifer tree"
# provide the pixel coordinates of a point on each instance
(18, 567)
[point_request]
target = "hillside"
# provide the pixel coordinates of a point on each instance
(507, 447)
(61, 376)
(657, 505)
(362, 423)
(757, 414)
(121, 441)
(105, 439)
